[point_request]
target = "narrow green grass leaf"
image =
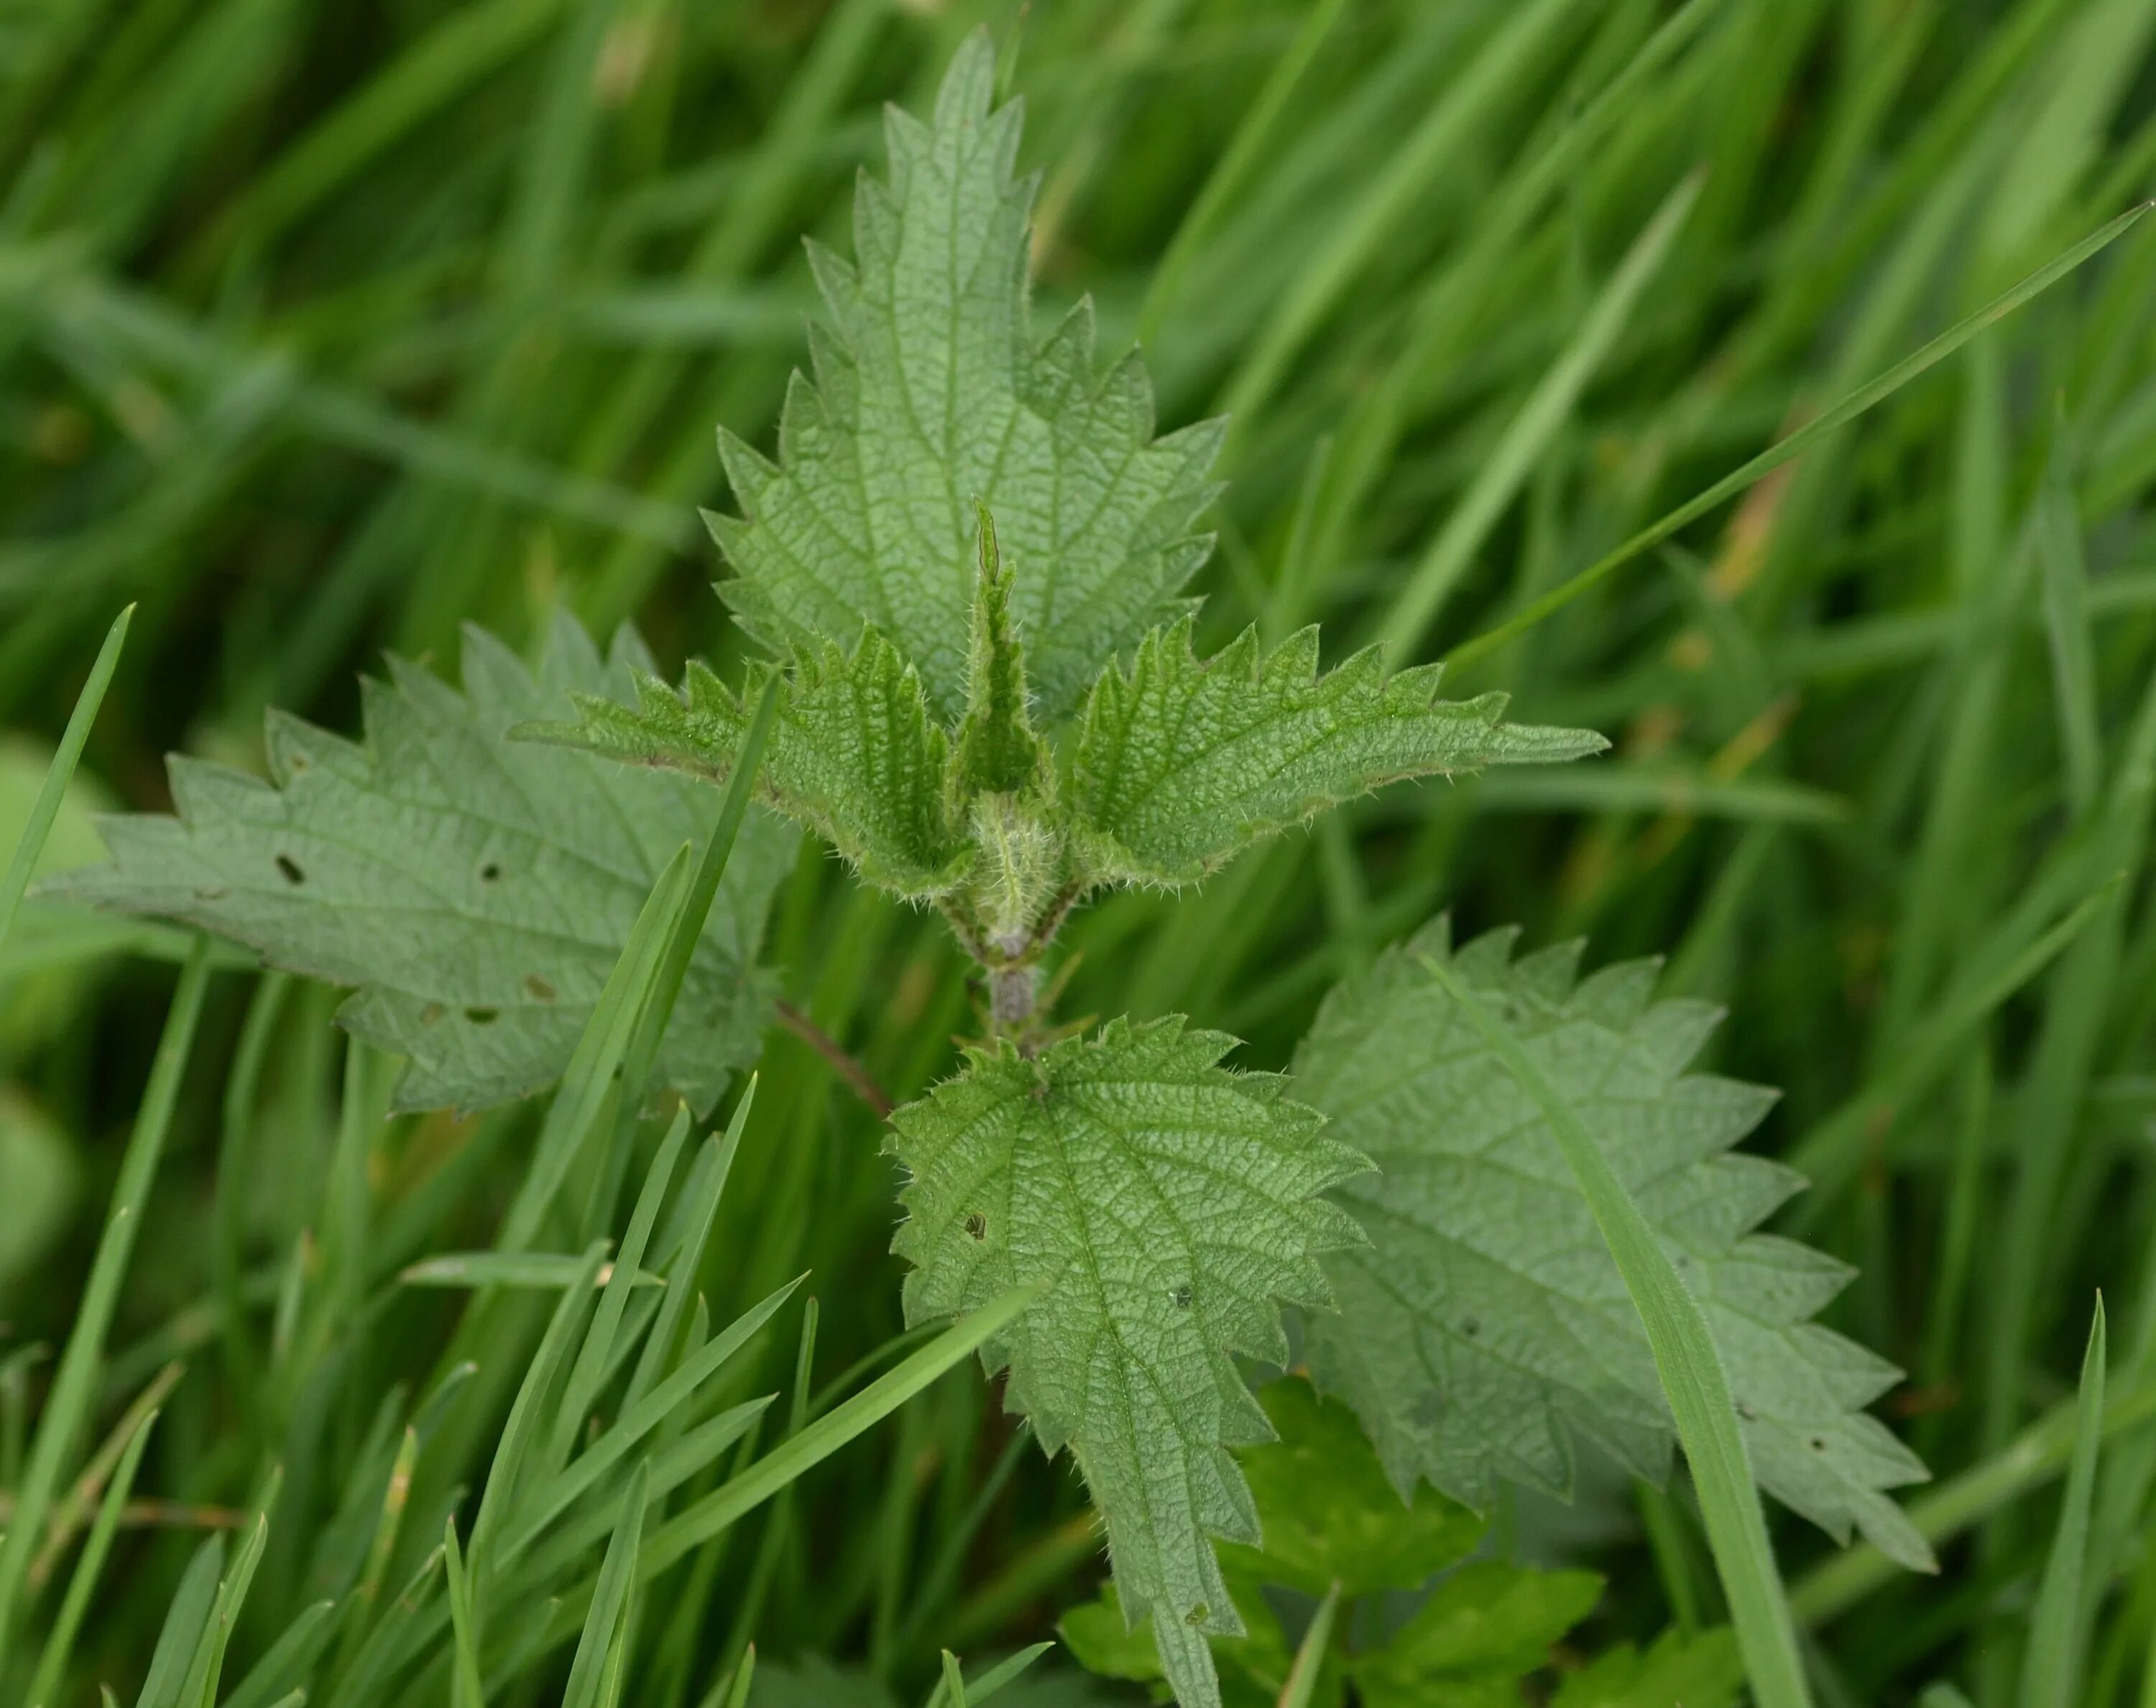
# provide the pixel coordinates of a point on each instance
(291, 1656)
(522, 1424)
(743, 1494)
(439, 67)
(200, 1689)
(703, 887)
(1003, 1672)
(187, 1621)
(950, 1688)
(1798, 443)
(1413, 164)
(2058, 1631)
(60, 773)
(1310, 1656)
(237, 1136)
(2059, 553)
(1526, 439)
(59, 1641)
(1244, 150)
(550, 1499)
(545, 1271)
(594, 1358)
(73, 1388)
(366, 1685)
(466, 1690)
(609, 1606)
(1692, 1379)
(359, 1611)
(591, 1088)
(698, 1209)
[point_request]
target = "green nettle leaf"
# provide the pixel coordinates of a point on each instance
(1484, 1629)
(962, 536)
(1168, 1203)
(998, 753)
(1328, 1514)
(1486, 1323)
(853, 755)
(931, 393)
(1183, 762)
(476, 890)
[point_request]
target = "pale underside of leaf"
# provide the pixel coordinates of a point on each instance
(1180, 762)
(475, 889)
(853, 755)
(929, 393)
(1486, 1326)
(1170, 1203)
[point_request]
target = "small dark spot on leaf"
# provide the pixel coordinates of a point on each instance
(541, 991)
(1472, 1326)
(489, 872)
(976, 1225)
(431, 1014)
(295, 764)
(482, 1017)
(290, 867)
(1818, 1443)
(1183, 1295)
(1745, 1412)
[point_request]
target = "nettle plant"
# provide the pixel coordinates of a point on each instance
(967, 567)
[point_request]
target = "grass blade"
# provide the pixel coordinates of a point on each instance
(1796, 443)
(609, 1607)
(59, 1644)
(1500, 476)
(745, 1493)
(60, 772)
(1310, 1657)
(1692, 1374)
(186, 1623)
(67, 1406)
(2059, 1628)
(466, 1690)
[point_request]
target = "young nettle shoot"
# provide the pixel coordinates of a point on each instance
(966, 570)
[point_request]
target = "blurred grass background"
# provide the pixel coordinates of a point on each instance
(325, 328)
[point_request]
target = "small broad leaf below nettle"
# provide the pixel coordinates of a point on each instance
(1327, 1512)
(1253, 1667)
(1486, 1324)
(1168, 1203)
(1182, 762)
(1483, 1629)
(476, 890)
(1677, 1670)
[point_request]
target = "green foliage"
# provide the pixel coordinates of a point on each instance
(981, 531)
(930, 392)
(1167, 1202)
(1486, 1323)
(1326, 1511)
(854, 756)
(1181, 763)
(1764, 384)
(475, 889)
(1482, 1631)
(1677, 1670)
